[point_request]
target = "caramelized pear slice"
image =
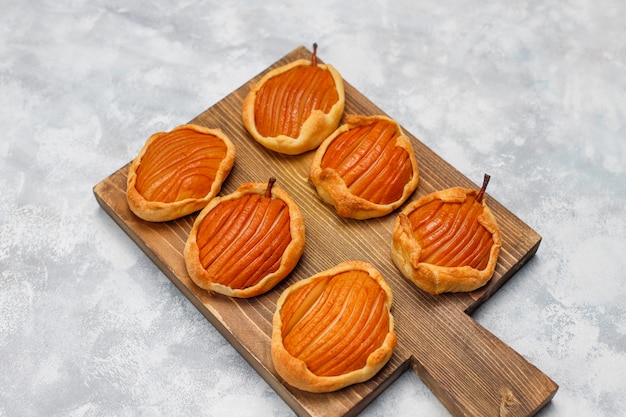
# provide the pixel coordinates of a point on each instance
(447, 241)
(293, 108)
(243, 244)
(333, 329)
(366, 168)
(178, 172)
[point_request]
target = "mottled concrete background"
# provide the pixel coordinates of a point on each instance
(533, 92)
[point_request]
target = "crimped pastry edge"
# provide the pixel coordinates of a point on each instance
(157, 211)
(314, 130)
(333, 190)
(295, 372)
(289, 260)
(405, 250)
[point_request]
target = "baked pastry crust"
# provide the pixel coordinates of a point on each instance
(235, 263)
(407, 252)
(374, 171)
(187, 170)
(315, 128)
(305, 298)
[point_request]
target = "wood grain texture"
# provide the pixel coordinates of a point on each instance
(470, 370)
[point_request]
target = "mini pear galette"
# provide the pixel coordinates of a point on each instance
(447, 241)
(178, 172)
(293, 108)
(333, 329)
(244, 243)
(366, 168)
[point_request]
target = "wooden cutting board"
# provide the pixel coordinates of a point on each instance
(470, 370)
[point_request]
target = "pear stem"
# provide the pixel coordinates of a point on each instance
(268, 190)
(314, 55)
(481, 193)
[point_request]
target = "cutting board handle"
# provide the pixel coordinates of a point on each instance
(472, 372)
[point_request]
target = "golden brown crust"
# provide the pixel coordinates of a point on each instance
(209, 279)
(188, 200)
(407, 254)
(395, 160)
(315, 128)
(294, 370)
